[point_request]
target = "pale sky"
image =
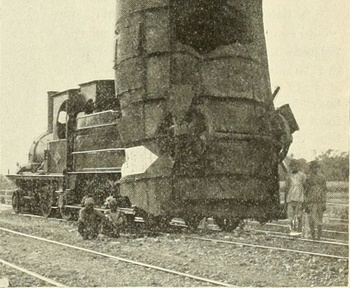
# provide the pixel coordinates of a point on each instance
(58, 44)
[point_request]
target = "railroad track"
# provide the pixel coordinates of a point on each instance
(246, 251)
(287, 226)
(33, 274)
(194, 277)
(180, 223)
(338, 204)
(340, 220)
(273, 233)
(241, 244)
(267, 247)
(286, 236)
(329, 220)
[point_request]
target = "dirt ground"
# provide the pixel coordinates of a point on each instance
(233, 264)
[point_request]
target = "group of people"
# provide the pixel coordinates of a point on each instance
(92, 222)
(305, 196)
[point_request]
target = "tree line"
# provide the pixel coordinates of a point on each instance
(334, 165)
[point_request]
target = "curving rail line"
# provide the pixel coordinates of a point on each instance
(285, 236)
(267, 247)
(338, 204)
(120, 259)
(287, 226)
(336, 220)
(36, 275)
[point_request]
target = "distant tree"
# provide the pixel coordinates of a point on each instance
(334, 165)
(6, 184)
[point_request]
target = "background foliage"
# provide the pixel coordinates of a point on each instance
(334, 165)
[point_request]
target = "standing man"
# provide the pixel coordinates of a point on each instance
(295, 194)
(316, 190)
(90, 220)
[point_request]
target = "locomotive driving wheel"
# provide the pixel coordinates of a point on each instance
(16, 202)
(192, 221)
(66, 213)
(46, 200)
(158, 223)
(164, 222)
(227, 224)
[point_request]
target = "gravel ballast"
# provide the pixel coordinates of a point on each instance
(232, 264)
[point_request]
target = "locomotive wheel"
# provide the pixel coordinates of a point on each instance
(46, 200)
(164, 222)
(151, 222)
(262, 220)
(220, 222)
(228, 224)
(193, 221)
(232, 224)
(16, 203)
(130, 220)
(66, 213)
(156, 223)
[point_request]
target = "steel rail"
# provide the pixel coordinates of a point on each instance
(267, 247)
(338, 220)
(39, 216)
(345, 221)
(284, 235)
(338, 204)
(36, 275)
(119, 258)
(283, 225)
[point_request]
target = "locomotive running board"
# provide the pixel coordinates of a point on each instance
(34, 176)
(129, 211)
(94, 172)
(98, 150)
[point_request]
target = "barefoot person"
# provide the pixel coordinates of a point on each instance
(295, 197)
(90, 220)
(115, 219)
(316, 190)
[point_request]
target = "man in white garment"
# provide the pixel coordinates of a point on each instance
(295, 196)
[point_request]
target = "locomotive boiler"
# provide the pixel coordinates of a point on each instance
(192, 93)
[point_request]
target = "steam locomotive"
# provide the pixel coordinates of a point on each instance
(191, 105)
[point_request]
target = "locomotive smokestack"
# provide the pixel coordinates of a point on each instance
(50, 110)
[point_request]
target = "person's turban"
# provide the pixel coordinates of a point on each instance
(113, 201)
(89, 201)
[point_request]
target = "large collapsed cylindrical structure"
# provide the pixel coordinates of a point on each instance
(193, 83)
